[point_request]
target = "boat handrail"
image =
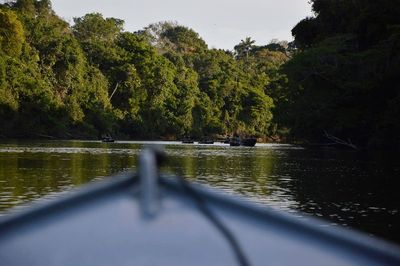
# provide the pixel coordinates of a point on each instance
(148, 176)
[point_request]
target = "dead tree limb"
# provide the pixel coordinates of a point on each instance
(337, 140)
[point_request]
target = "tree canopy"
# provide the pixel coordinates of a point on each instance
(343, 78)
(339, 76)
(80, 81)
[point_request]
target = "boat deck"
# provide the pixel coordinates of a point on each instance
(104, 224)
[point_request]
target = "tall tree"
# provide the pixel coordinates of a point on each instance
(243, 49)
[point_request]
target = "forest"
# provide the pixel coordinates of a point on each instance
(339, 77)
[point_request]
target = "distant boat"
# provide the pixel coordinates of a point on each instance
(234, 142)
(248, 142)
(151, 219)
(206, 142)
(107, 138)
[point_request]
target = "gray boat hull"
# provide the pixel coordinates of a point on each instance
(103, 224)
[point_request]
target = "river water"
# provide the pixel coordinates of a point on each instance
(349, 188)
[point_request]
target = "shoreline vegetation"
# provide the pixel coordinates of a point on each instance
(338, 81)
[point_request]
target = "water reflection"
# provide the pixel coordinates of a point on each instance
(344, 187)
(30, 171)
(248, 171)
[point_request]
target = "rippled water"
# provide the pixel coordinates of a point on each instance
(343, 187)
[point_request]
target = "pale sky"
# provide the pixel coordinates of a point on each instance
(221, 23)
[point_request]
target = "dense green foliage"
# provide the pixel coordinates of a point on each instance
(344, 78)
(339, 77)
(92, 78)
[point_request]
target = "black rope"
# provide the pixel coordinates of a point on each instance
(201, 204)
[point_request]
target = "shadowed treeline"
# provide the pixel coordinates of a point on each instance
(344, 77)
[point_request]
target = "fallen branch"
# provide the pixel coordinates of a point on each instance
(337, 140)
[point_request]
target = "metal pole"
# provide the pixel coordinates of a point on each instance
(148, 175)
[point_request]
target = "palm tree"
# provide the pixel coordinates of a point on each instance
(244, 47)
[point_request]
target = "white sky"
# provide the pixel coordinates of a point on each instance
(221, 23)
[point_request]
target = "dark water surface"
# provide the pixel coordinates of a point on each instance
(350, 188)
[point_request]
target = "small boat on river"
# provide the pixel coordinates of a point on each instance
(248, 142)
(234, 142)
(206, 141)
(107, 138)
(147, 218)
